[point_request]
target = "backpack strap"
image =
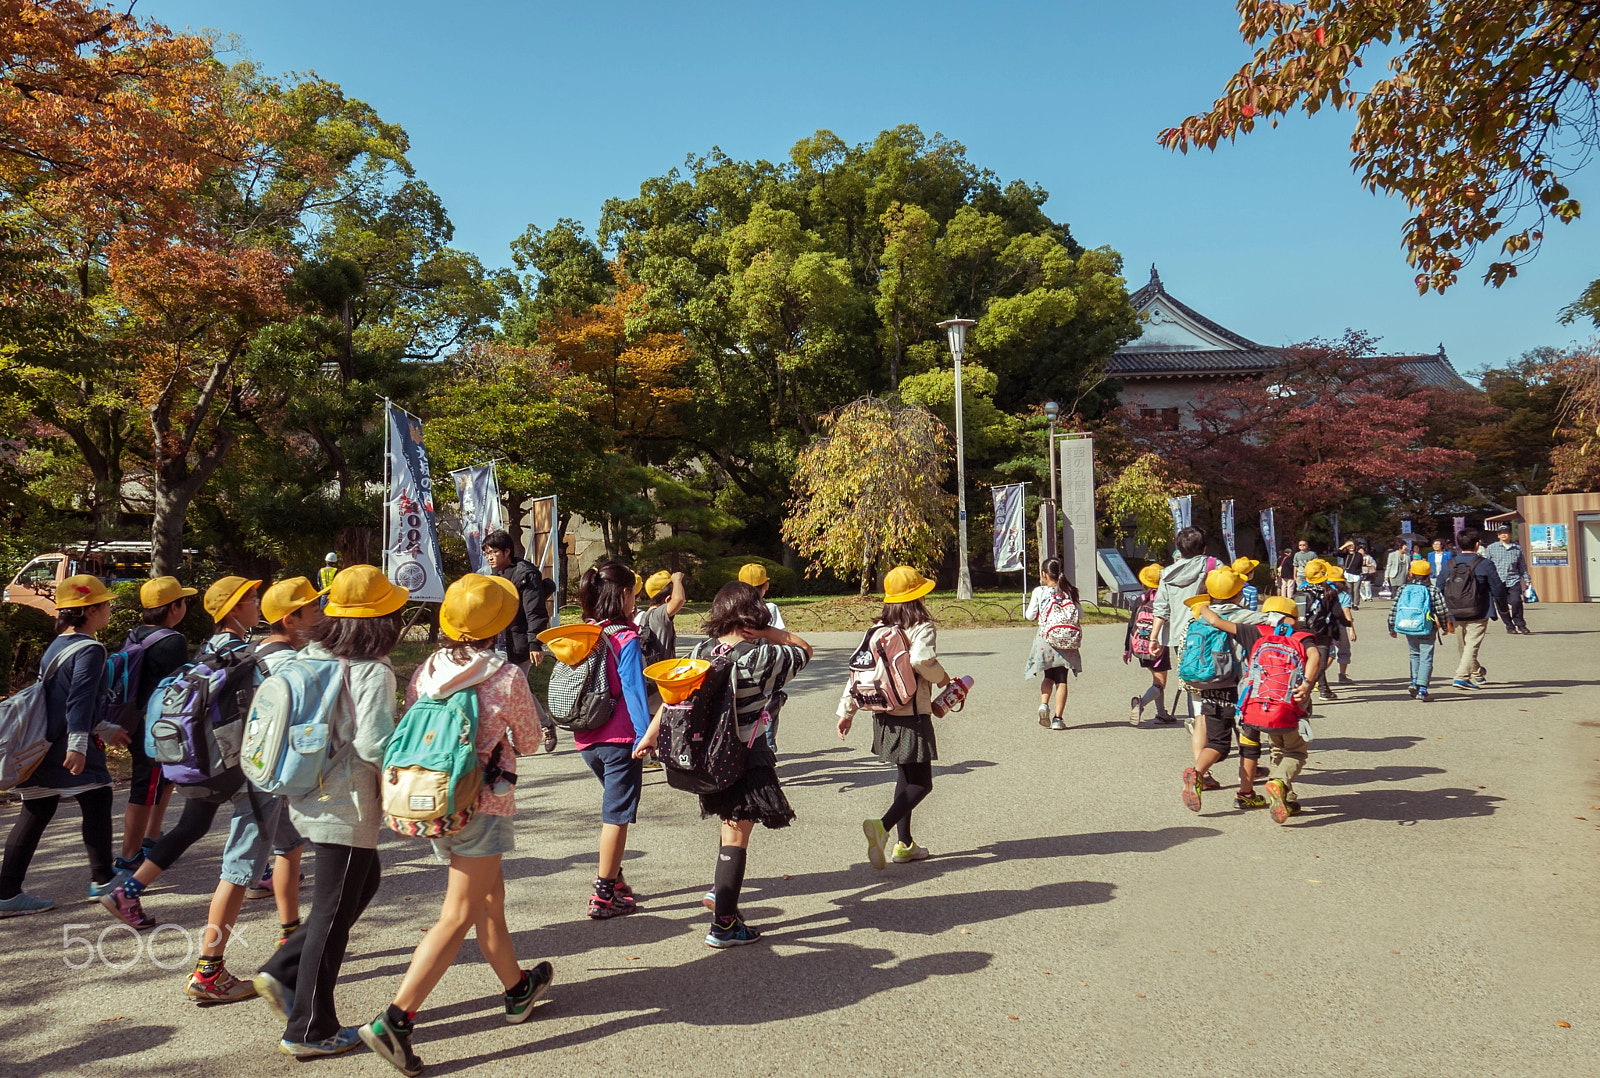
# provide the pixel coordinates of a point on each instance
(71, 649)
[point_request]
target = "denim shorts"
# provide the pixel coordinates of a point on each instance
(260, 827)
(621, 775)
(484, 836)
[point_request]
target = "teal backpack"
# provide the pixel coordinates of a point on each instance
(1209, 658)
(431, 772)
(1413, 611)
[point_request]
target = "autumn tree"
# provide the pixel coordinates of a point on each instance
(1134, 507)
(869, 492)
(1486, 110)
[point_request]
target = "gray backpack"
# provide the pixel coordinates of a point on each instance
(580, 696)
(25, 724)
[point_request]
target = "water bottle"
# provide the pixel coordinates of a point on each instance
(953, 697)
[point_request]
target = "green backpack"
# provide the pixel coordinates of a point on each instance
(431, 772)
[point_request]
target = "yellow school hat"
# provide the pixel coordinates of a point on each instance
(1223, 584)
(81, 590)
(225, 594)
(161, 591)
(571, 644)
(1195, 602)
(1150, 575)
(753, 573)
(477, 607)
(362, 591)
(1420, 567)
(287, 596)
(1335, 574)
(1245, 566)
(1316, 571)
(677, 679)
(657, 583)
(905, 585)
(1277, 604)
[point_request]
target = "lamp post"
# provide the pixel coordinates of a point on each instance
(1052, 412)
(956, 331)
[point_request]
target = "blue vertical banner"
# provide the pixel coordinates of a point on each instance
(1333, 522)
(1182, 510)
(1269, 537)
(411, 548)
(1227, 530)
(482, 512)
(1010, 528)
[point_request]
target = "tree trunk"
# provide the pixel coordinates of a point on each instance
(166, 530)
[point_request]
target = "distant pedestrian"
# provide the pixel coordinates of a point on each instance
(1420, 615)
(1054, 605)
(329, 570)
(1472, 590)
(1369, 573)
(1303, 557)
(1439, 560)
(1512, 566)
(1284, 574)
(1397, 567)
(1141, 644)
(1351, 561)
(521, 638)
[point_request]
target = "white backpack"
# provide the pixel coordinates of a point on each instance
(25, 724)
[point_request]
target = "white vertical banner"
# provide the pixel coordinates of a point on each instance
(1227, 530)
(1009, 528)
(411, 550)
(1269, 537)
(1077, 506)
(1182, 510)
(478, 490)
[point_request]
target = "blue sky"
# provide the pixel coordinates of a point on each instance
(522, 112)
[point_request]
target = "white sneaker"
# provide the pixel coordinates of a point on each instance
(1136, 711)
(1044, 714)
(903, 853)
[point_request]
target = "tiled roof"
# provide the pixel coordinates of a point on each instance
(1146, 295)
(1192, 362)
(1434, 370)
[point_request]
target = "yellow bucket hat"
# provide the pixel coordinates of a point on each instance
(677, 679)
(1335, 574)
(657, 583)
(1245, 566)
(571, 644)
(225, 594)
(753, 573)
(81, 590)
(905, 585)
(1316, 571)
(1223, 584)
(1277, 604)
(477, 607)
(1150, 575)
(1420, 567)
(362, 591)
(287, 596)
(161, 591)
(1195, 602)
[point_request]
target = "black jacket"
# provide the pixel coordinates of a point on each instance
(532, 616)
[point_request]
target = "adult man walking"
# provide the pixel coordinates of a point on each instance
(521, 637)
(1471, 590)
(1513, 569)
(1302, 558)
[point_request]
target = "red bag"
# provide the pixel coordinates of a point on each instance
(1277, 668)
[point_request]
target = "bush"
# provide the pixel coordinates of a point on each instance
(720, 571)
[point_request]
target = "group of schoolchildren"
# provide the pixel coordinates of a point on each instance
(298, 734)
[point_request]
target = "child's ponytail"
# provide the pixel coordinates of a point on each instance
(1052, 568)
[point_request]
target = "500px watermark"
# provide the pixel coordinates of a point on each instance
(120, 946)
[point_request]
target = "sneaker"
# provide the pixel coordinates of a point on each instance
(1193, 784)
(518, 1008)
(22, 904)
(1211, 783)
(279, 997)
(617, 905)
(1422, 694)
(1460, 684)
(652, 764)
(1327, 694)
(736, 934)
(1166, 716)
(549, 739)
(1344, 679)
(98, 891)
(903, 853)
(877, 838)
(1411, 691)
(341, 1042)
(1276, 806)
(1057, 723)
(1292, 807)
(130, 865)
(1251, 800)
(220, 987)
(390, 1044)
(1483, 675)
(709, 900)
(262, 888)
(1136, 711)
(125, 909)
(1044, 714)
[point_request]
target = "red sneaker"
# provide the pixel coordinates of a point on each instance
(1193, 784)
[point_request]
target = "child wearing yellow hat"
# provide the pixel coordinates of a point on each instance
(72, 676)
(476, 609)
(1140, 643)
(1420, 614)
(755, 574)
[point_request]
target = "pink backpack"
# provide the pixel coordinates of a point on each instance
(1144, 645)
(881, 677)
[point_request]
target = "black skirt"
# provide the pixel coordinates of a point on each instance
(756, 796)
(904, 739)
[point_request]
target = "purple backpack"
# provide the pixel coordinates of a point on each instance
(194, 723)
(124, 669)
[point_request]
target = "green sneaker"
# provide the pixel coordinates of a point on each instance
(877, 838)
(1277, 807)
(903, 853)
(519, 1007)
(1250, 800)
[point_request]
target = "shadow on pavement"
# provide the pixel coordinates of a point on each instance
(1355, 776)
(112, 1041)
(1404, 807)
(1366, 744)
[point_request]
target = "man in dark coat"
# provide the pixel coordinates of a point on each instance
(521, 638)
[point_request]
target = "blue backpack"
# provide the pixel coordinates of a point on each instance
(1209, 658)
(1413, 611)
(288, 736)
(120, 705)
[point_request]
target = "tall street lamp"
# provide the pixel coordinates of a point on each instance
(956, 330)
(1052, 411)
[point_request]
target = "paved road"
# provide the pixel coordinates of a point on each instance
(1432, 913)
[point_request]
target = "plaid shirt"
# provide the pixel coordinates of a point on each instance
(1441, 613)
(1508, 562)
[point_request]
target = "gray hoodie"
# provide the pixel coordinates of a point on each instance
(1182, 579)
(346, 811)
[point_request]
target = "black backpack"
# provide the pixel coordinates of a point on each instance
(1317, 607)
(700, 748)
(1465, 594)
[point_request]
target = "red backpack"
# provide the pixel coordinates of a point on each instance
(1277, 668)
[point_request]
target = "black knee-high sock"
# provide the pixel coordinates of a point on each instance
(915, 783)
(729, 881)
